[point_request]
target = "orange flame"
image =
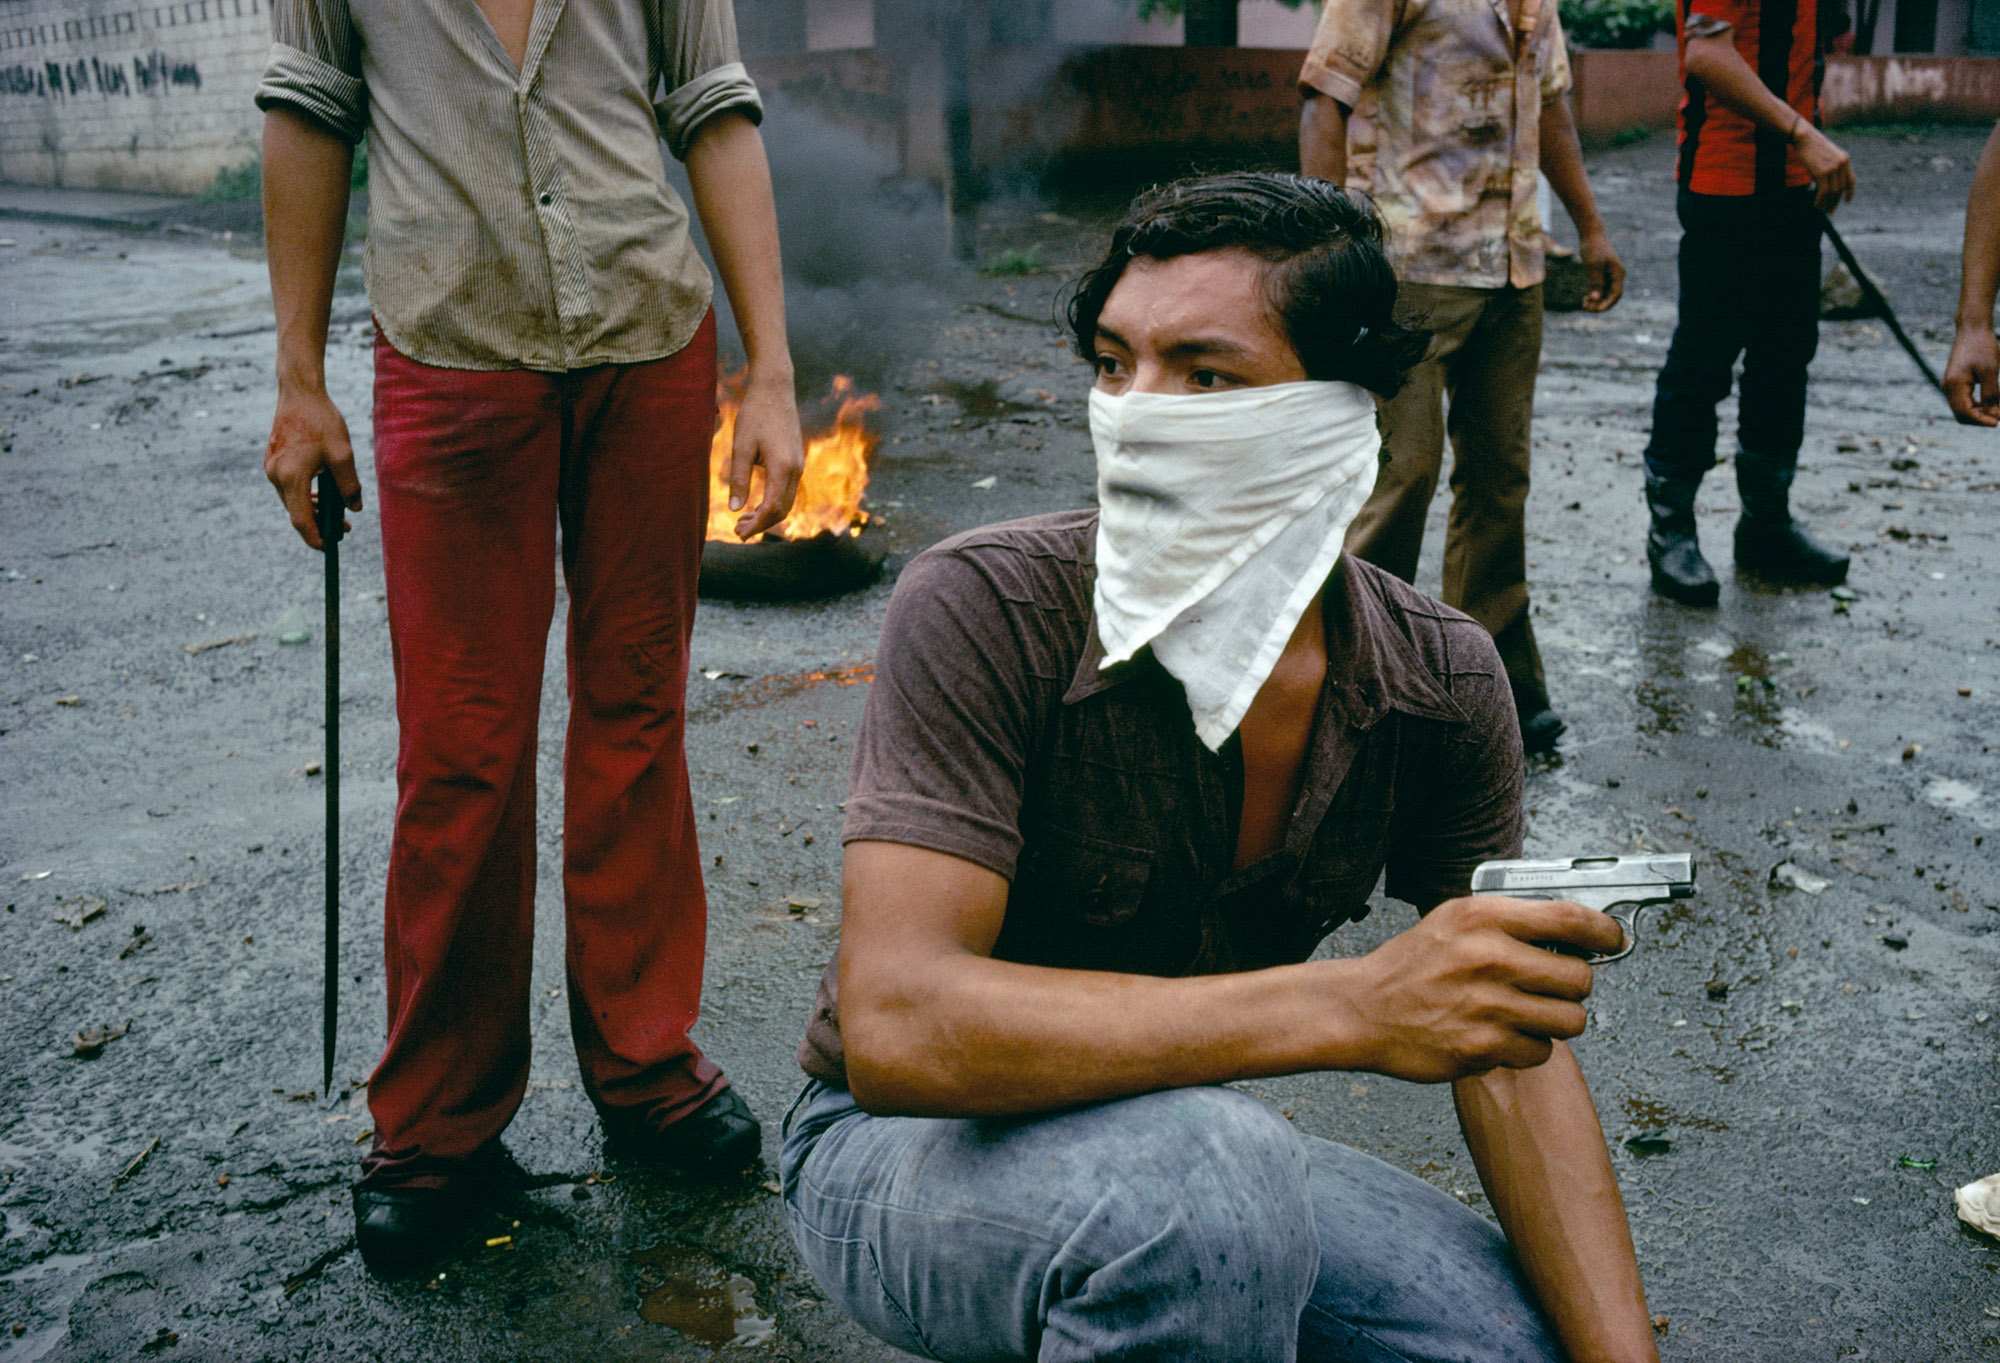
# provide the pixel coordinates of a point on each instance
(836, 472)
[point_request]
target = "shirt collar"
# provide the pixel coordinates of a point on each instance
(1374, 668)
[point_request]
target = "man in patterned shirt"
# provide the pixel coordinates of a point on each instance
(1444, 111)
(545, 356)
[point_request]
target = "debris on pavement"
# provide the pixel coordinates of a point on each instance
(1787, 874)
(80, 909)
(1649, 1143)
(291, 628)
(137, 1160)
(90, 1043)
(193, 650)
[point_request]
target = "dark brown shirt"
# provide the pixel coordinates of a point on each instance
(993, 735)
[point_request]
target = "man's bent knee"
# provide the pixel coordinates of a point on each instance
(1201, 1243)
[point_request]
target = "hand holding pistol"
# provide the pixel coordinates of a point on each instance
(1618, 886)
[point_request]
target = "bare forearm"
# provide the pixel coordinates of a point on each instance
(1535, 1137)
(731, 179)
(306, 173)
(1981, 280)
(1323, 139)
(1562, 162)
(980, 1037)
(1720, 68)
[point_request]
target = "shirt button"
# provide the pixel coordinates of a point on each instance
(547, 198)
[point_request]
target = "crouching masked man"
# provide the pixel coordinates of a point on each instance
(1120, 773)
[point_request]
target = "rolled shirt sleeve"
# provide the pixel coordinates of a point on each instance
(1555, 75)
(701, 70)
(1349, 47)
(315, 66)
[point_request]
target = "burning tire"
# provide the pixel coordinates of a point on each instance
(821, 549)
(773, 569)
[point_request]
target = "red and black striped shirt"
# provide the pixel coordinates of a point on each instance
(1721, 151)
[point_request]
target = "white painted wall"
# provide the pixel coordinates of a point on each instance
(112, 94)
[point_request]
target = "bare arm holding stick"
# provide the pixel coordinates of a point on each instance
(306, 171)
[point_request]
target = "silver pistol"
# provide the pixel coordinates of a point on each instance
(1619, 886)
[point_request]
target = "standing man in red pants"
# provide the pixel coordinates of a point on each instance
(545, 374)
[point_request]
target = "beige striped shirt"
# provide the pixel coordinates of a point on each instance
(519, 218)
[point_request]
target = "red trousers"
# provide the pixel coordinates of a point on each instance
(477, 471)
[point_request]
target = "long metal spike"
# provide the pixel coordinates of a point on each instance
(1877, 301)
(331, 513)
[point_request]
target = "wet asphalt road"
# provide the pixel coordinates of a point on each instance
(1792, 1078)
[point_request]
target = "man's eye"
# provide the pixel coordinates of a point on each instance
(1104, 364)
(1206, 378)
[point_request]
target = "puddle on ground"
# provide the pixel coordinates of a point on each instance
(696, 1294)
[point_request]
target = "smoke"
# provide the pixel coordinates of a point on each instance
(864, 249)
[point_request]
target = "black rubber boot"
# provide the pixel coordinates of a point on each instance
(1769, 542)
(1680, 573)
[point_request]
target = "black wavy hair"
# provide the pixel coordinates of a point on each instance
(1327, 281)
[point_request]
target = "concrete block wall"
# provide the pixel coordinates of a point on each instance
(126, 94)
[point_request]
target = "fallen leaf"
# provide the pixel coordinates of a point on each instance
(1896, 943)
(801, 903)
(987, 483)
(80, 909)
(1908, 1162)
(138, 939)
(89, 1044)
(70, 702)
(313, 768)
(222, 1180)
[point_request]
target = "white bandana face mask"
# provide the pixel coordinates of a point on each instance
(1220, 516)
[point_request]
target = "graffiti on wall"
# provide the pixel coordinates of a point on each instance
(155, 73)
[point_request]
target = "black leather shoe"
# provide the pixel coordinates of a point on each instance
(1781, 551)
(1540, 730)
(719, 1137)
(402, 1231)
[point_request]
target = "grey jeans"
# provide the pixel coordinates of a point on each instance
(1189, 1224)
